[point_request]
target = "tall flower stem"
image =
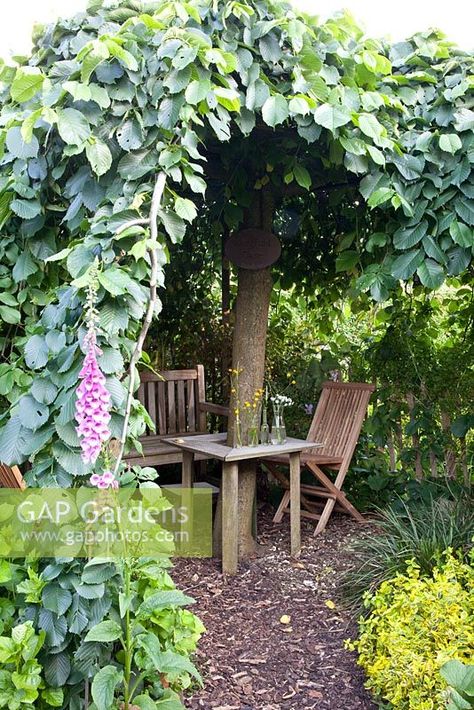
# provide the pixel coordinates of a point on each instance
(128, 646)
(152, 250)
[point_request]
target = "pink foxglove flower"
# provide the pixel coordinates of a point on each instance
(92, 404)
(106, 480)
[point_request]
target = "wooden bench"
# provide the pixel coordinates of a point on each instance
(10, 477)
(176, 403)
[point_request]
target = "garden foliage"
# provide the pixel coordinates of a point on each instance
(110, 96)
(415, 625)
(123, 625)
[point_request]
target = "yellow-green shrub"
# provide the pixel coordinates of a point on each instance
(415, 625)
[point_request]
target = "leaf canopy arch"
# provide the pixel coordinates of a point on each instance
(118, 92)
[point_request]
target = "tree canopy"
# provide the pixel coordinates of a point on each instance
(200, 90)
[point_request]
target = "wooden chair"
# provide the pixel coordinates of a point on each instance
(175, 401)
(336, 425)
(10, 477)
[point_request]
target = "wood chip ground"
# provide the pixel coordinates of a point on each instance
(273, 642)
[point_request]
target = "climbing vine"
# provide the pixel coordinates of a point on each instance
(115, 95)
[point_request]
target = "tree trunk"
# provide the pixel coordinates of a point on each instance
(248, 356)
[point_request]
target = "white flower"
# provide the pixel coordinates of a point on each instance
(281, 400)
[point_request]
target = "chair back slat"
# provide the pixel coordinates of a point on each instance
(10, 477)
(338, 418)
(172, 398)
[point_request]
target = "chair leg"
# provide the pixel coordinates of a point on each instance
(278, 517)
(325, 515)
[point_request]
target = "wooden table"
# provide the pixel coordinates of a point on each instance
(214, 446)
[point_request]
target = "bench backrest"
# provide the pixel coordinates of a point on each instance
(10, 477)
(339, 417)
(173, 399)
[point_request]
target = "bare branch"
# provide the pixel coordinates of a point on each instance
(133, 223)
(153, 224)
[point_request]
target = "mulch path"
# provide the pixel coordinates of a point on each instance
(272, 643)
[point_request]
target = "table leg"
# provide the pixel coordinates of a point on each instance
(295, 502)
(187, 502)
(187, 473)
(230, 517)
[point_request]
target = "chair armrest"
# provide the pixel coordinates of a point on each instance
(214, 409)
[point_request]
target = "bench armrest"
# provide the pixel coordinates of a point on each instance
(214, 409)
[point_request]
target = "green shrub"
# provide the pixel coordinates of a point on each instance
(421, 532)
(22, 685)
(460, 678)
(415, 625)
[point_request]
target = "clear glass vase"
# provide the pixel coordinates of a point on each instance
(253, 436)
(278, 433)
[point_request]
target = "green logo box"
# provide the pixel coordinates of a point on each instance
(149, 521)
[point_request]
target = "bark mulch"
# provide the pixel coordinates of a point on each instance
(272, 640)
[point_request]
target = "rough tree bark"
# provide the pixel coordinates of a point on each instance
(248, 355)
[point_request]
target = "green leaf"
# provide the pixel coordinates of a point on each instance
(460, 428)
(462, 234)
(129, 135)
(174, 225)
(26, 84)
(125, 57)
(73, 126)
(56, 341)
(135, 165)
(18, 146)
(229, 98)
(458, 260)
(301, 105)
(43, 390)
(431, 274)
(450, 142)
(53, 697)
(12, 441)
(99, 156)
(56, 599)
(275, 110)
(376, 62)
(161, 600)
(103, 687)
(332, 117)
(10, 315)
(96, 53)
(347, 261)
(407, 237)
(36, 352)
(370, 126)
(106, 631)
(302, 176)
(197, 91)
(144, 702)
(58, 667)
(186, 209)
(380, 196)
(24, 267)
(114, 280)
(459, 676)
(26, 209)
(32, 414)
(464, 119)
(405, 265)
(168, 112)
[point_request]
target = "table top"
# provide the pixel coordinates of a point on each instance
(214, 445)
